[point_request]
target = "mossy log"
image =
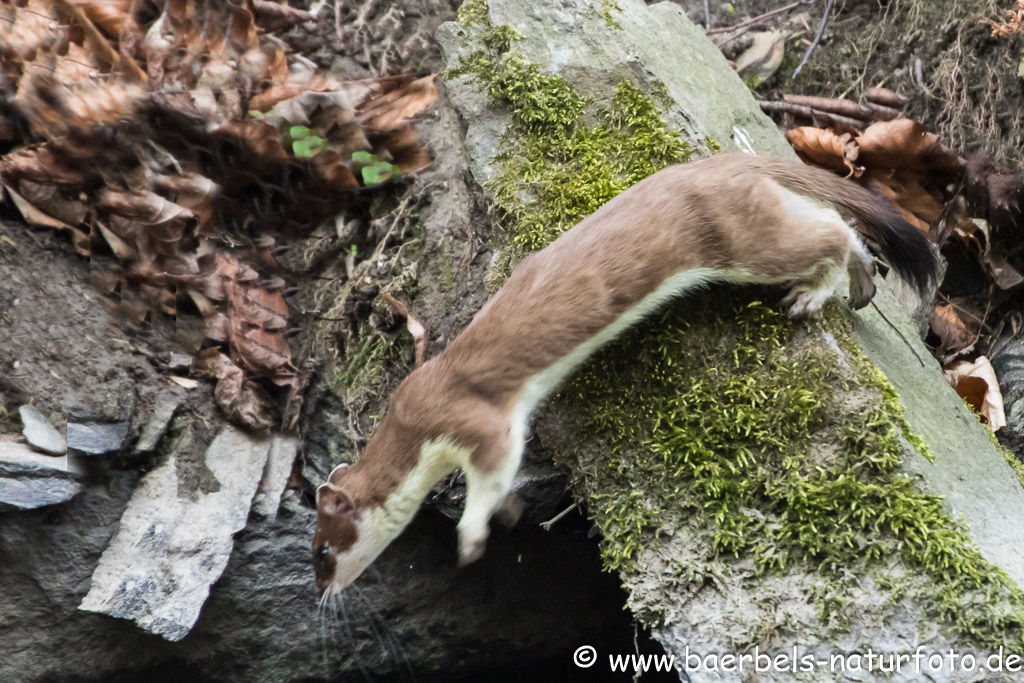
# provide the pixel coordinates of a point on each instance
(756, 481)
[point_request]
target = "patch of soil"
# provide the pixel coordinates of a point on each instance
(63, 346)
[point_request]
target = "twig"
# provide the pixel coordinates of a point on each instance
(546, 526)
(817, 37)
(812, 114)
(898, 333)
(758, 19)
(832, 105)
(707, 15)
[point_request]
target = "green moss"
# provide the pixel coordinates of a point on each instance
(500, 38)
(473, 13)
(1016, 465)
(370, 365)
(730, 417)
(607, 6)
(563, 156)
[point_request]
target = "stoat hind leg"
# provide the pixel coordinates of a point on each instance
(808, 295)
(488, 483)
(814, 243)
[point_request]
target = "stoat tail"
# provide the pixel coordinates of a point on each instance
(903, 246)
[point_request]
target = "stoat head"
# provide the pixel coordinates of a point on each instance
(340, 545)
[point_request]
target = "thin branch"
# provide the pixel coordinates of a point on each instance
(898, 333)
(758, 19)
(817, 37)
(812, 114)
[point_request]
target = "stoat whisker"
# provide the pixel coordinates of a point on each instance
(321, 617)
(378, 622)
(351, 639)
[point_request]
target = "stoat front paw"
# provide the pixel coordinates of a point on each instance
(471, 549)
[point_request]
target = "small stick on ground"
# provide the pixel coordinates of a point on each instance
(758, 19)
(815, 115)
(898, 333)
(817, 37)
(546, 526)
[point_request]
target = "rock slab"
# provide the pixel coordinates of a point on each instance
(29, 480)
(97, 438)
(167, 403)
(40, 434)
(172, 543)
(283, 449)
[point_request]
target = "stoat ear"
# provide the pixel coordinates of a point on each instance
(333, 501)
(337, 473)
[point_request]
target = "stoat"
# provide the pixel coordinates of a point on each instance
(731, 218)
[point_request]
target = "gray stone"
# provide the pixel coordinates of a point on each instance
(173, 543)
(643, 44)
(40, 433)
(167, 403)
(29, 480)
(179, 362)
(97, 438)
(275, 475)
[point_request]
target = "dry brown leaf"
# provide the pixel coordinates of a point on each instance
(977, 384)
(122, 250)
(81, 73)
(110, 15)
(905, 189)
(406, 149)
(399, 106)
(825, 148)
(1014, 22)
(237, 398)
(259, 307)
(261, 352)
(334, 170)
(6, 129)
(32, 215)
(976, 233)
(47, 164)
(953, 332)
(53, 201)
(164, 220)
(904, 144)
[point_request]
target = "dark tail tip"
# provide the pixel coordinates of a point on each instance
(908, 252)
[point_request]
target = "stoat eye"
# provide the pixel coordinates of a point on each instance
(321, 553)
